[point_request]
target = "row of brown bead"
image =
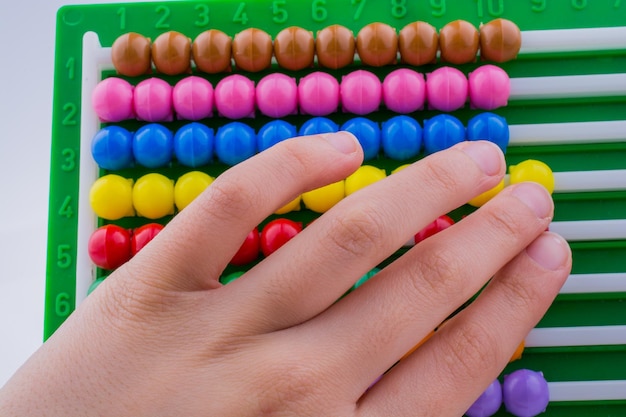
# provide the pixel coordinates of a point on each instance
(294, 48)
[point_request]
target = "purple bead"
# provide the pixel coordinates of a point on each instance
(488, 403)
(525, 393)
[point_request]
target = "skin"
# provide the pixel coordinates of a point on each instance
(161, 336)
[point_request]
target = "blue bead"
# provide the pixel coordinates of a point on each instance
(273, 132)
(368, 134)
(193, 145)
(401, 137)
(153, 145)
(491, 127)
(442, 132)
(235, 142)
(112, 148)
(318, 125)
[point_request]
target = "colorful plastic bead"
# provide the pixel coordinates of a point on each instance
(189, 186)
(491, 127)
(111, 197)
(249, 249)
(318, 94)
(335, 46)
(143, 235)
(171, 53)
(418, 43)
(192, 98)
(273, 132)
(368, 134)
(532, 170)
(525, 393)
(481, 199)
(235, 142)
(439, 224)
(252, 50)
(153, 100)
(361, 92)
(294, 48)
(317, 125)
(458, 42)
(446, 89)
(404, 91)
(112, 148)
(442, 132)
(109, 246)
(276, 233)
(377, 44)
(293, 205)
(365, 278)
(517, 355)
(401, 137)
(500, 40)
(488, 403)
(324, 198)
(112, 100)
(234, 97)
(153, 196)
(277, 95)
(130, 54)
(153, 146)
(211, 51)
(362, 177)
(227, 279)
(193, 145)
(489, 87)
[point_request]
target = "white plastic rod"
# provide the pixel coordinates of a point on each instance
(587, 390)
(584, 230)
(568, 86)
(595, 283)
(587, 181)
(568, 133)
(576, 336)
(570, 40)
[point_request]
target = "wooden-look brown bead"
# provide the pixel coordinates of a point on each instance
(418, 43)
(458, 42)
(335, 47)
(130, 54)
(171, 53)
(377, 44)
(500, 40)
(294, 48)
(211, 51)
(252, 50)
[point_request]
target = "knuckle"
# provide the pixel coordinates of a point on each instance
(505, 222)
(469, 349)
(437, 276)
(520, 296)
(230, 197)
(358, 232)
(441, 176)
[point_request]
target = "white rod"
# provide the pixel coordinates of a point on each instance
(595, 283)
(587, 390)
(585, 181)
(568, 86)
(584, 230)
(567, 133)
(570, 40)
(576, 336)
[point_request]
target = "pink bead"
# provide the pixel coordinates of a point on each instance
(446, 89)
(112, 100)
(489, 87)
(277, 95)
(404, 91)
(153, 100)
(318, 94)
(193, 98)
(361, 92)
(234, 97)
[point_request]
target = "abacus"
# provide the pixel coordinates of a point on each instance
(154, 100)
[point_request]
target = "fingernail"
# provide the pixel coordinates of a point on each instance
(536, 197)
(344, 142)
(487, 155)
(549, 250)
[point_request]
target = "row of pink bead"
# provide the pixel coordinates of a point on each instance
(317, 94)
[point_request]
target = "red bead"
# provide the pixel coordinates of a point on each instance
(109, 246)
(276, 233)
(249, 249)
(142, 236)
(441, 223)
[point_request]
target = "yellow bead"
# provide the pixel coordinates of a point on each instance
(400, 168)
(322, 199)
(293, 205)
(153, 196)
(534, 171)
(190, 186)
(111, 197)
(481, 199)
(363, 177)
(518, 352)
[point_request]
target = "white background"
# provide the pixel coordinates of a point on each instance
(27, 31)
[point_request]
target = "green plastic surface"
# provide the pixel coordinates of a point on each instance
(191, 18)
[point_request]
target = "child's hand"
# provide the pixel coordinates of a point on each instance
(162, 337)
